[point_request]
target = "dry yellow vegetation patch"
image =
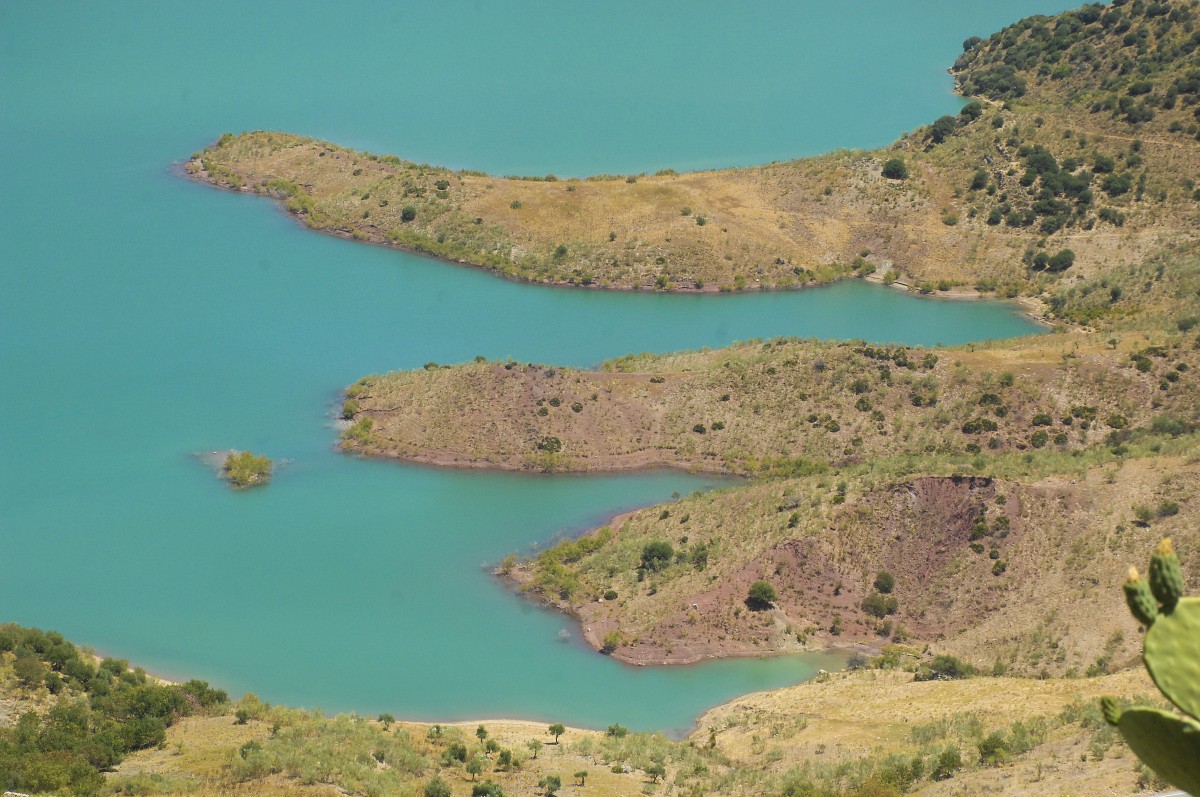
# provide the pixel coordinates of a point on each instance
(848, 716)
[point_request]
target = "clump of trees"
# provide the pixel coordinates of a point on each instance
(1060, 261)
(944, 668)
(103, 711)
(879, 605)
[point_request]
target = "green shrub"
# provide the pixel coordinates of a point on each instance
(1168, 509)
(1117, 184)
(942, 128)
(944, 668)
(895, 169)
(879, 605)
(948, 763)
(657, 555)
(761, 595)
(616, 731)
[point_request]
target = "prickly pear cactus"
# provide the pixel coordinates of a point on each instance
(1167, 743)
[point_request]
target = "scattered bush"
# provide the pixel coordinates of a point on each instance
(657, 555)
(761, 596)
(895, 169)
(944, 668)
(879, 605)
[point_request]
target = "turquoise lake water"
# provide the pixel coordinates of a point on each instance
(144, 318)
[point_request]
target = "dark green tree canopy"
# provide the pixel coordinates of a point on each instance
(895, 169)
(657, 555)
(761, 596)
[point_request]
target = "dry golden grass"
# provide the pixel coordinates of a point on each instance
(852, 715)
(198, 751)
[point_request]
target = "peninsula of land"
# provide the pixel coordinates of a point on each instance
(1063, 147)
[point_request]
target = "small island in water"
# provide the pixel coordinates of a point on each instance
(244, 469)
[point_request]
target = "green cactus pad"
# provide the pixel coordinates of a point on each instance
(1168, 744)
(1108, 707)
(1172, 655)
(1141, 603)
(1166, 577)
